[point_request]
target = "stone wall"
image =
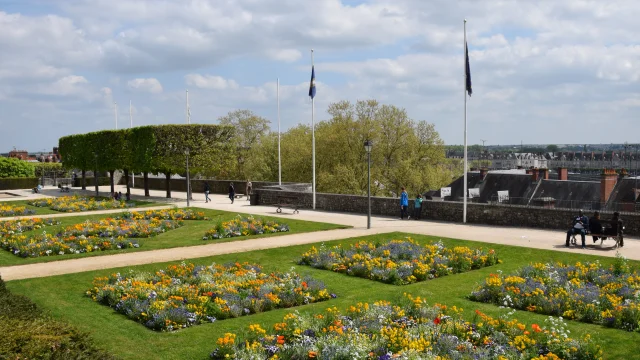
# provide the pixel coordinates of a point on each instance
(216, 186)
(487, 214)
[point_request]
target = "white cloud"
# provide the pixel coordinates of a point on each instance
(535, 65)
(210, 82)
(150, 85)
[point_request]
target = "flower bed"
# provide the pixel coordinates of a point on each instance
(78, 204)
(169, 214)
(586, 292)
(241, 226)
(11, 210)
(186, 295)
(11, 227)
(398, 262)
(412, 330)
(106, 234)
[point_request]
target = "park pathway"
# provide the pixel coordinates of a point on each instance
(532, 238)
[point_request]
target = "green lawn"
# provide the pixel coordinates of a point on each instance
(46, 211)
(64, 297)
(188, 235)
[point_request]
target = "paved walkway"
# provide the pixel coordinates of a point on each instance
(540, 239)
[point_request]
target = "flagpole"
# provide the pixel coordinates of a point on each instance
(115, 113)
(188, 110)
(465, 195)
(133, 177)
(279, 158)
(313, 144)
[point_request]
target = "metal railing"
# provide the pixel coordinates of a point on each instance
(551, 203)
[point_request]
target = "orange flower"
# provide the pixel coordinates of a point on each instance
(536, 328)
(312, 354)
(280, 339)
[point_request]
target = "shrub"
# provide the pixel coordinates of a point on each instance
(18, 183)
(27, 333)
(50, 169)
(12, 167)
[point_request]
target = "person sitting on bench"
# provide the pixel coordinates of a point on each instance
(615, 228)
(595, 226)
(580, 226)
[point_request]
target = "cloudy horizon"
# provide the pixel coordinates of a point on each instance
(543, 72)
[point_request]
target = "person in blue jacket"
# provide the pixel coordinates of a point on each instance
(404, 203)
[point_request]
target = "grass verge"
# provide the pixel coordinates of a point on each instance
(64, 297)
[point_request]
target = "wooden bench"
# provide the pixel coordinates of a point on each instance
(289, 202)
(602, 237)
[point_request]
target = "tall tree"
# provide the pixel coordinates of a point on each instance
(250, 129)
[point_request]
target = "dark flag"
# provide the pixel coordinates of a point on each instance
(467, 71)
(312, 86)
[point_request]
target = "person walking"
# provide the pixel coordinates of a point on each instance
(207, 189)
(404, 203)
(232, 192)
(417, 207)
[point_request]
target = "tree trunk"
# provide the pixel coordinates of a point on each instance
(95, 181)
(111, 176)
(84, 178)
(168, 184)
(146, 183)
(126, 178)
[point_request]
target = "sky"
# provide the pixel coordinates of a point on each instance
(543, 71)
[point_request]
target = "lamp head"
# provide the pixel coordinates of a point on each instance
(368, 145)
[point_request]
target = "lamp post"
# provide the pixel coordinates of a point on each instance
(368, 145)
(95, 174)
(186, 152)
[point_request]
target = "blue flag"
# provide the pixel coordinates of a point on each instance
(467, 71)
(312, 86)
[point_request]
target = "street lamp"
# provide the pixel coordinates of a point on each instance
(368, 145)
(186, 152)
(95, 174)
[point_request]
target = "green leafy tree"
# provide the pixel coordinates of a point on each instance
(12, 167)
(250, 131)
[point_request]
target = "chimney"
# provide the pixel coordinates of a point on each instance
(608, 181)
(544, 173)
(535, 175)
(563, 174)
(623, 174)
(483, 173)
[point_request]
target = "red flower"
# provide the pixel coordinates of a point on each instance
(436, 321)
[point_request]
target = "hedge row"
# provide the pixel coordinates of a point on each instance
(13, 168)
(151, 149)
(18, 183)
(28, 333)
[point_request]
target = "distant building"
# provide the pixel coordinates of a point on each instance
(611, 191)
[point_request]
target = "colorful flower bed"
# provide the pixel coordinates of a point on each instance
(169, 214)
(12, 210)
(185, 295)
(242, 226)
(11, 227)
(106, 234)
(398, 261)
(586, 292)
(78, 204)
(412, 330)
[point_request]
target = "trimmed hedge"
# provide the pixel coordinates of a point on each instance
(18, 183)
(28, 333)
(12, 167)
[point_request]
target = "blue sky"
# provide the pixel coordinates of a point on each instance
(543, 72)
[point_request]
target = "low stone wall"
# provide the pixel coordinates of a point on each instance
(216, 186)
(486, 214)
